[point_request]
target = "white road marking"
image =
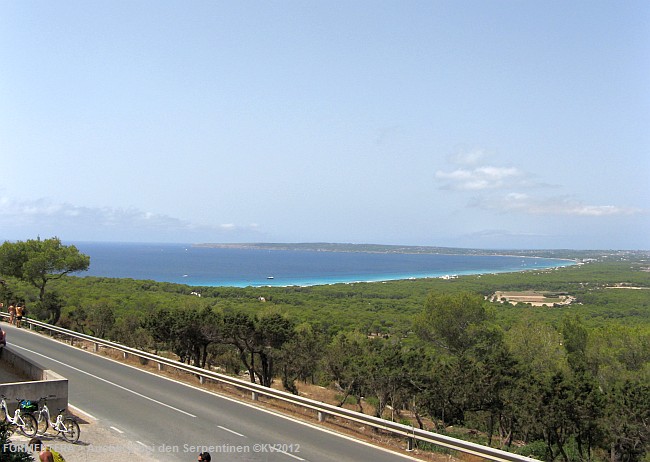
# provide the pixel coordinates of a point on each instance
(144, 445)
(117, 430)
(76, 410)
(231, 431)
(291, 455)
(107, 381)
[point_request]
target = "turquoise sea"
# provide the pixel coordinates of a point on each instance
(201, 266)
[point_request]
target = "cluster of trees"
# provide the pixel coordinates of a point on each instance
(433, 352)
(37, 262)
(266, 346)
(570, 392)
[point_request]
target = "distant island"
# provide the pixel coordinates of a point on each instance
(407, 249)
(343, 247)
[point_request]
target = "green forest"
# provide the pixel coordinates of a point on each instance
(566, 382)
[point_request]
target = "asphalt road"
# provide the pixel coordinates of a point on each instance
(171, 421)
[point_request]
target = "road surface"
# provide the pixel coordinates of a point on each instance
(170, 421)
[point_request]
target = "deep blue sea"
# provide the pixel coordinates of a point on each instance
(200, 266)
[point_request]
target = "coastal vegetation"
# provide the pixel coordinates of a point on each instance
(10, 451)
(37, 262)
(567, 381)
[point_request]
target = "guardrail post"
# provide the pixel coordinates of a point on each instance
(126, 355)
(321, 416)
(96, 348)
(160, 366)
(255, 396)
(409, 444)
(201, 379)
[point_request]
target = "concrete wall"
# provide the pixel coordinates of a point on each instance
(43, 383)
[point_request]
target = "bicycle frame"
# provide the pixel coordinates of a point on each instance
(57, 424)
(26, 425)
(16, 419)
(44, 411)
(64, 425)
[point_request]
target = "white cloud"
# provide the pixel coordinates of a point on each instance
(498, 187)
(474, 173)
(557, 205)
(601, 210)
(480, 178)
(62, 219)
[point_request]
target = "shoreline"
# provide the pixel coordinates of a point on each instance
(311, 282)
(232, 265)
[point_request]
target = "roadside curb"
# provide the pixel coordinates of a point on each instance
(77, 412)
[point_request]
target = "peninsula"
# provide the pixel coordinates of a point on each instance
(407, 249)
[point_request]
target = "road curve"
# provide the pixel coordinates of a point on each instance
(172, 421)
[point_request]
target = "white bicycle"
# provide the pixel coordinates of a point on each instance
(25, 422)
(65, 425)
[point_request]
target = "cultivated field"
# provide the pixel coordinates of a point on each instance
(532, 298)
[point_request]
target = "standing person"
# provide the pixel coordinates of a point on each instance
(12, 313)
(20, 309)
(204, 457)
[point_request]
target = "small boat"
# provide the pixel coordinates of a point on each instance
(269, 277)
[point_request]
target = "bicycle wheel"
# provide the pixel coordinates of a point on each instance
(71, 432)
(42, 424)
(31, 427)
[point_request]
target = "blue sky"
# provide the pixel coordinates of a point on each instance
(494, 124)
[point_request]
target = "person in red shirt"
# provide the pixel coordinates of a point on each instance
(45, 454)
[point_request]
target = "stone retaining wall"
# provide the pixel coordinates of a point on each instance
(43, 382)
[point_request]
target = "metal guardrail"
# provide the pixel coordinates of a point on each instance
(323, 409)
